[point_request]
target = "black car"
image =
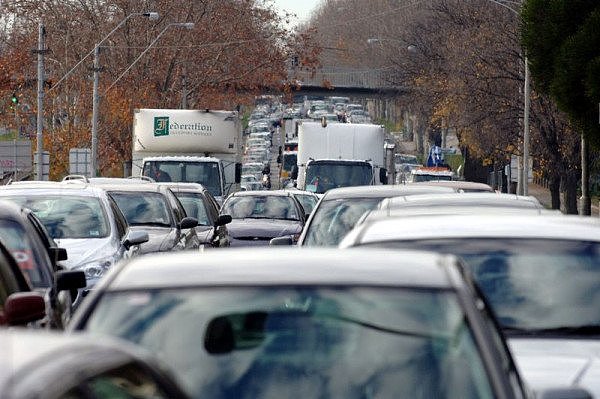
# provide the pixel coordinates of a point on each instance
(38, 257)
(199, 203)
(43, 365)
(153, 208)
(19, 305)
(259, 216)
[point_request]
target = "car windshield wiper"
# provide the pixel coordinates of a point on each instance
(586, 330)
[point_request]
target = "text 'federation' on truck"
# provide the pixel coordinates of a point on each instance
(339, 155)
(194, 146)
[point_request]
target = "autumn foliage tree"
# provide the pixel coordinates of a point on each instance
(236, 50)
(462, 65)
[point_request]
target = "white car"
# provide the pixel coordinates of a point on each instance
(540, 274)
(82, 219)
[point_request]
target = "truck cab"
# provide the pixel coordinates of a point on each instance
(204, 170)
(325, 174)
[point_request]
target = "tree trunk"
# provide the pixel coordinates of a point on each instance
(554, 186)
(570, 182)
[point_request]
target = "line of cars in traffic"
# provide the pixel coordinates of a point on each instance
(401, 319)
(440, 289)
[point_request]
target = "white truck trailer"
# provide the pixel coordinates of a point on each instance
(339, 155)
(189, 146)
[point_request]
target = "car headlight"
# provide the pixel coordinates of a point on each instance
(94, 270)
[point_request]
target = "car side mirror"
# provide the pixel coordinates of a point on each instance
(135, 238)
(70, 280)
(24, 307)
(563, 393)
(294, 172)
(383, 176)
(222, 220)
(285, 240)
(57, 254)
(188, 222)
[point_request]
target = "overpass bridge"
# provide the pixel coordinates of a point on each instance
(363, 84)
(372, 87)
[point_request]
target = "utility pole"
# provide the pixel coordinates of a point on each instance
(585, 207)
(40, 100)
(526, 129)
(184, 88)
(95, 103)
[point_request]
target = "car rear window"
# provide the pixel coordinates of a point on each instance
(266, 342)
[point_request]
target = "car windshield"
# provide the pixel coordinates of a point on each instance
(424, 177)
(143, 208)
(261, 207)
(334, 219)
(205, 173)
(526, 278)
(308, 202)
(322, 176)
(405, 158)
(15, 238)
(268, 342)
(68, 216)
(194, 206)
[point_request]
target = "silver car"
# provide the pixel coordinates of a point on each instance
(83, 220)
(339, 209)
(308, 322)
(541, 275)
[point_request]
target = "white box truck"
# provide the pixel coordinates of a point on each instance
(339, 155)
(199, 146)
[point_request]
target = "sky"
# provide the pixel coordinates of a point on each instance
(301, 8)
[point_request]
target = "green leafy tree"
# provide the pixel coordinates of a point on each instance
(562, 40)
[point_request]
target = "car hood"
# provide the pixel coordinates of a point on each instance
(159, 238)
(262, 228)
(551, 363)
(84, 250)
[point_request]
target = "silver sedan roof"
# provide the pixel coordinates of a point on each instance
(481, 199)
(383, 191)
(471, 226)
(264, 267)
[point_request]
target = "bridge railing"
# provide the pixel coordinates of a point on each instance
(367, 78)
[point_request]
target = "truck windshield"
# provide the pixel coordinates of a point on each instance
(289, 160)
(322, 176)
(205, 173)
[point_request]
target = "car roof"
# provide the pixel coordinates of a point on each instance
(70, 187)
(32, 357)
(134, 186)
(458, 184)
(23, 346)
(185, 187)
(286, 266)
(261, 193)
(562, 227)
(296, 191)
(480, 199)
(382, 191)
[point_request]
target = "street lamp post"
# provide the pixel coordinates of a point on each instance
(96, 95)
